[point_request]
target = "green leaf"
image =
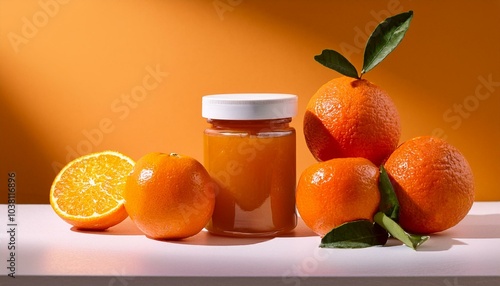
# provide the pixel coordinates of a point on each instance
(337, 62)
(385, 38)
(410, 240)
(355, 234)
(389, 203)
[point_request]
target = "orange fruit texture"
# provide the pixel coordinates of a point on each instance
(169, 196)
(433, 182)
(88, 191)
(337, 191)
(350, 117)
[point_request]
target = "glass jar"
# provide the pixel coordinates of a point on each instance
(249, 150)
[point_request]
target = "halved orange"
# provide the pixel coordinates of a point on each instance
(88, 192)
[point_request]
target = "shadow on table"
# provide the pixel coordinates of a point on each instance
(126, 227)
(471, 227)
(478, 226)
(301, 230)
(436, 242)
(205, 238)
(440, 242)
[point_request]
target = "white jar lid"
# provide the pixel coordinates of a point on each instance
(249, 106)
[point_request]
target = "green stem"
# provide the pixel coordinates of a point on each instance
(411, 240)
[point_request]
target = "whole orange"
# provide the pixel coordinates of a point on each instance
(337, 191)
(169, 196)
(433, 182)
(350, 117)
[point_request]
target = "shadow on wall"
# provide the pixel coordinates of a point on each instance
(23, 156)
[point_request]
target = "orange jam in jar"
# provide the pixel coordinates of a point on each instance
(250, 153)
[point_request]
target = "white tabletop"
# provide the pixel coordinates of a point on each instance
(48, 250)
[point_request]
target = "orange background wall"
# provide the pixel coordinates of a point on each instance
(85, 76)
